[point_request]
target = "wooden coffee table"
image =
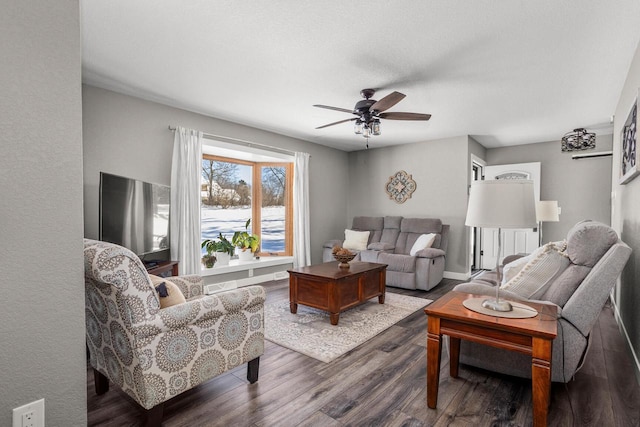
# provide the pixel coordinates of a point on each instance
(331, 288)
(533, 336)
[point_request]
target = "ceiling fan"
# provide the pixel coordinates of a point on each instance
(368, 113)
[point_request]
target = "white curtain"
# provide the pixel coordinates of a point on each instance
(185, 199)
(301, 233)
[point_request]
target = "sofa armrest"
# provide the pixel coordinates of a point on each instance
(191, 285)
(207, 307)
(379, 246)
(331, 243)
(430, 253)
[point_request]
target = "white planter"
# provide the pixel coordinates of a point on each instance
(223, 258)
(245, 255)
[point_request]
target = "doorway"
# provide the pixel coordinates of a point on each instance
(476, 236)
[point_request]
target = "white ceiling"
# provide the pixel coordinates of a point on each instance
(506, 72)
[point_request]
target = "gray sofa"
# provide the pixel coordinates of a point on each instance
(597, 257)
(390, 241)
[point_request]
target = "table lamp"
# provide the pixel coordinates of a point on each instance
(546, 211)
(502, 203)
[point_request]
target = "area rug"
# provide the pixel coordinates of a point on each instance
(309, 331)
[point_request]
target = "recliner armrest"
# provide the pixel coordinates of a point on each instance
(331, 243)
(430, 253)
(379, 246)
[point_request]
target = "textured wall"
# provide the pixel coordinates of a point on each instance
(439, 168)
(42, 350)
(626, 218)
(581, 187)
(129, 136)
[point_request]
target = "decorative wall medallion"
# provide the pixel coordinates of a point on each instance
(400, 187)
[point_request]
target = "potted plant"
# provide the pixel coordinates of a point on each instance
(222, 247)
(246, 242)
(208, 259)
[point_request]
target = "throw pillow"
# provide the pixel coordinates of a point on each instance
(168, 292)
(534, 278)
(422, 242)
(355, 240)
(510, 270)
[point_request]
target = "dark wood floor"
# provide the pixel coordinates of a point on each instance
(383, 382)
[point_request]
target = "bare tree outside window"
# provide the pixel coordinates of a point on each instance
(273, 186)
(221, 178)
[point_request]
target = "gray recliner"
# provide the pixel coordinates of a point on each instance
(597, 258)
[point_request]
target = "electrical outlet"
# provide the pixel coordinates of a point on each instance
(29, 415)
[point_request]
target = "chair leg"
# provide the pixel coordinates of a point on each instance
(101, 382)
(154, 415)
(252, 370)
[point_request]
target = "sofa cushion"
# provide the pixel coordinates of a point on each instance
(397, 262)
(374, 224)
(356, 240)
(422, 242)
(534, 278)
(391, 229)
(566, 284)
(412, 228)
(588, 241)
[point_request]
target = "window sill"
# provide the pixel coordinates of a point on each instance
(235, 265)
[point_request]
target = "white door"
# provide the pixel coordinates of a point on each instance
(514, 241)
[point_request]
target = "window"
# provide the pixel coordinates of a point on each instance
(235, 190)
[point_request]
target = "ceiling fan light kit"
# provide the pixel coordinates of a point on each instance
(579, 139)
(369, 112)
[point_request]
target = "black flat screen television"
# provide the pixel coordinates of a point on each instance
(134, 214)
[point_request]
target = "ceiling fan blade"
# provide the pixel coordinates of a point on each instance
(334, 108)
(404, 116)
(387, 102)
(337, 123)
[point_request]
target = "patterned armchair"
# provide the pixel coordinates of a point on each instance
(154, 354)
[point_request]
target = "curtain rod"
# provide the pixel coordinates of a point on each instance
(242, 142)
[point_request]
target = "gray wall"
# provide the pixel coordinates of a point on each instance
(42, 350)
(129, 136)
(626, 218)
(581, 187)
(439, 168)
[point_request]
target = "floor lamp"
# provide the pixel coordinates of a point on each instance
(504, 203)
(546, 211)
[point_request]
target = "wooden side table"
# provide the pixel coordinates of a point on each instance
(533, 336)
(163, 267)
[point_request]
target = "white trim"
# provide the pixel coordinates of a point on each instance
(478, 160)
(618, 319)
(235, 265)
(456, 276)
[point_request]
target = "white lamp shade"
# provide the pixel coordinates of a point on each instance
(502, 203)
(547, 211)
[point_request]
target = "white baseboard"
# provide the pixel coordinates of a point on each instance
(455, 276)
(618, 319)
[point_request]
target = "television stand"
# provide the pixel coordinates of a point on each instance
(161, 268)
